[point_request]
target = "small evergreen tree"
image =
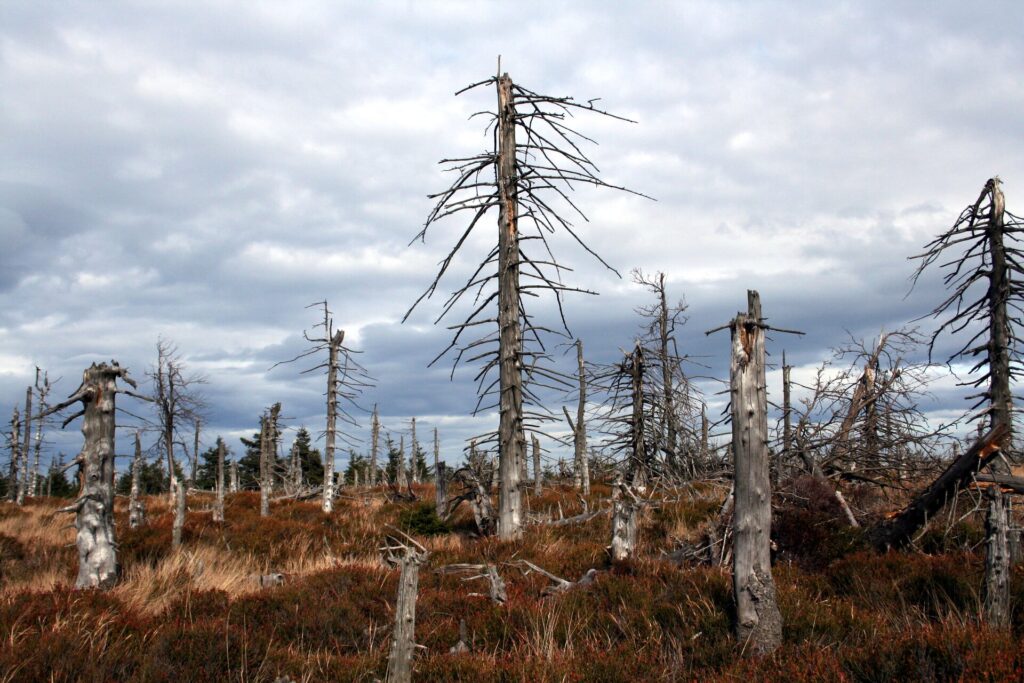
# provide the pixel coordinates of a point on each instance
(391, 470)
(310, 459)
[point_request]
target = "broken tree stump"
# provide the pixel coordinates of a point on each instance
(758, 620)
(408, 555)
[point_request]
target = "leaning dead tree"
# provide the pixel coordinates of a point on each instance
(534, 163)
(94, 507)
(346, 380)
(407, 554)
(758, 620)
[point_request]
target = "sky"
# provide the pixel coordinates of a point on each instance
(202, 172)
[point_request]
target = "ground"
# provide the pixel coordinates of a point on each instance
(199, 614)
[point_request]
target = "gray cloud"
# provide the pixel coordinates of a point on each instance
(204, 174)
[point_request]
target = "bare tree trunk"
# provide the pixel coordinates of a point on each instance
(218, 505)
(758, 621)
(437, 451)
(787, 411)
(195, 453)
(705, 449)
(179, 513)
(413, 465)
(997, 560)
(26, 446)
(136, 507)
(537, 475)
(441, 490)
(999, 323)
(14, 473)
(403, 637)
(625, 521)
(94, 508)
(671, 430)
(511, 440)
(332, 417)
(234, 476)
(400, 475)
(42, 390)
(579, 439)
(268, 451)
(374, 444)
(638, 458)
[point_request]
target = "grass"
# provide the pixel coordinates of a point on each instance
(199, 614)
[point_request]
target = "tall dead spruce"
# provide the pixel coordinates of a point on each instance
(537, 162)
(94, 507)
(345, 381)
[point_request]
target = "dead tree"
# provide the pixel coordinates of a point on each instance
(234, 477)
(440, 480)
(530, 175)
(26, 470)
(787, 410)
(179, 513)
(14, 472)
(218, 505)
(136, 506)
(474, 492)
(581, 471)
(625, 520)
(537, 476)
(374, 444)
(177, 401)
(268, 452)
(407, 554)
(997, 560)
(94, 507)
(42, 391)
(346, 380)
(197, 428)
(758, 620)
(897, 531)
(414, 475)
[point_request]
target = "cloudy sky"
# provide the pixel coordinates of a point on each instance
(204, 171)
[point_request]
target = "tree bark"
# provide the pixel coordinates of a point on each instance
(413, 465)
(441, 490)
(218, 505)
(667, 368)
(511, 439)
(195, 453)
(997, 560)
(136, 507)
(334, 349)
(234, 476)
(758, 621)
(42, 390)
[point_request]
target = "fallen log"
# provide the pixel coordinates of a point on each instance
(897, 531)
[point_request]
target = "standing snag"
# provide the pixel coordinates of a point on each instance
(758, 621)
(94, 507)
(532, 173)
(136, 506)
(218, 505)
